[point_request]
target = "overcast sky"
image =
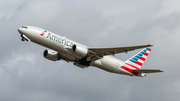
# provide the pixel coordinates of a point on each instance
(25, 75)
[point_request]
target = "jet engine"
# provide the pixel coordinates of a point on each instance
(80, 51)
(51, 55)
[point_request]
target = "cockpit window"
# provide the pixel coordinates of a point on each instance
(24, 27)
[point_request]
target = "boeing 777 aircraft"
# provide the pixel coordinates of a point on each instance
(82, 56)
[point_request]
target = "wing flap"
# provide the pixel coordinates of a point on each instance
(147, 70)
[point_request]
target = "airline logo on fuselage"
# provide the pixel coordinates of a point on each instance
(42, 34)
(58, 39)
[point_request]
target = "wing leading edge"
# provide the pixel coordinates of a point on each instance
(97, 53)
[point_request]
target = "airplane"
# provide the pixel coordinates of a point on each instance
(82, 56)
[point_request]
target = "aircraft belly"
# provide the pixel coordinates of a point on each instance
(108, 65)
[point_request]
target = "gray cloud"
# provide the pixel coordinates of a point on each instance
(26, 75)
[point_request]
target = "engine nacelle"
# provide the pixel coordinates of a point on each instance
(51, 55)
(80, 50)
(141, 74)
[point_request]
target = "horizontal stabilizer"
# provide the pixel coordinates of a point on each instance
(147, 71)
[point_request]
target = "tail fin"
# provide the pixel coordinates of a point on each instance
(137, 60)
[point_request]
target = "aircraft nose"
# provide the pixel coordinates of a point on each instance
(22, 29)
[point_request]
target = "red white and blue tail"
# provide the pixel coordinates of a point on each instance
(137, 60)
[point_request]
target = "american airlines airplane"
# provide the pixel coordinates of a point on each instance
(82, 56)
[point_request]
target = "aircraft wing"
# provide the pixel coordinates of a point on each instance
(97, 53)
(147, 71)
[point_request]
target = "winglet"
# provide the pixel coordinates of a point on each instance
(149, 45)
